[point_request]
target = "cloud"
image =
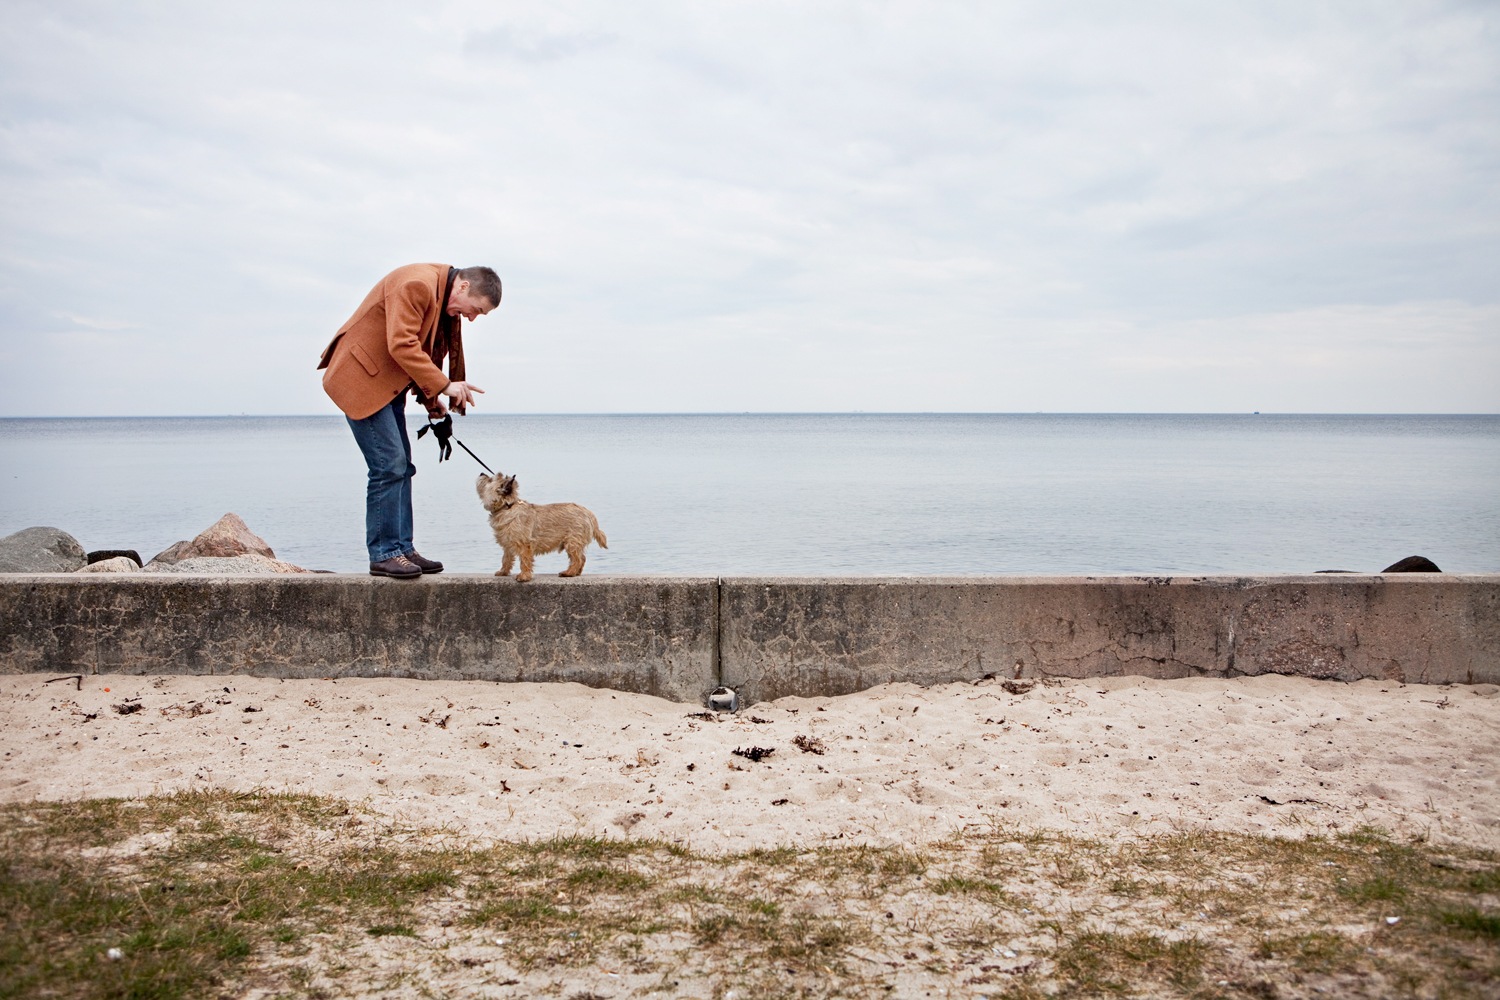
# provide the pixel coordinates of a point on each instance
(764, 206)
(531, 46)
(96, 324)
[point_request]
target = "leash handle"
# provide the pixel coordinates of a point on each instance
(443, 431)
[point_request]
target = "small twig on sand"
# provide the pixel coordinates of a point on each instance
(69, 677)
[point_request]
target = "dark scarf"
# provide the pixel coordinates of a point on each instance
(447, 339)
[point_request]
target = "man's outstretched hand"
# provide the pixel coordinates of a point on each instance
(462, 394)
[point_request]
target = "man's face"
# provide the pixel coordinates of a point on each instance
(461, 303)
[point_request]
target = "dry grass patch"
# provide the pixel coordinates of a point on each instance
(213, 894)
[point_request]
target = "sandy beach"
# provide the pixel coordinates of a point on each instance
(897, 764)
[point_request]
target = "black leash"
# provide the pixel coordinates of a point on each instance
(442, 430)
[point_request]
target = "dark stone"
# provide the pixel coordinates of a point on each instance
(104, 554)
(40, 550)
(1413, 564)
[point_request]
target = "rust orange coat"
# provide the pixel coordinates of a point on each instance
(391, 342)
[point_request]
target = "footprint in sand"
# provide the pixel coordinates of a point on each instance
(1258, 772)
(436, 784)
(1328, 760)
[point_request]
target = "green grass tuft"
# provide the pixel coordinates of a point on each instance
(1102, 960)
(1473, 921)
(390, 930)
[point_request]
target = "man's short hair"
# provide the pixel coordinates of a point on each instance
(482, 281)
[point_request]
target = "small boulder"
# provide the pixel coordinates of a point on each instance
(118, 564)
(172, 554)
(41, 550)
(1413, 564)
(229, 536)
(104, 554)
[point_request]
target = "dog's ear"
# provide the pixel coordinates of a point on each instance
(508, 487)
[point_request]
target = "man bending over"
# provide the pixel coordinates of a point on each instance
(396, 341)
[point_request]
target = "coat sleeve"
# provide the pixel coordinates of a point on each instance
(406, 307)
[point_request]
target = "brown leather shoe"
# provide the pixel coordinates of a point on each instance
(397, 567)
(425, 565)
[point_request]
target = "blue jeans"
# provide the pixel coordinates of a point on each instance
(387, 450)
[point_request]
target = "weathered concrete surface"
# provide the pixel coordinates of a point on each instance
(832, 636)
(646, 634)
(765, 637)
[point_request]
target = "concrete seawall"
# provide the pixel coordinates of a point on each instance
(647, 634)
(829, 636)
(767, 637)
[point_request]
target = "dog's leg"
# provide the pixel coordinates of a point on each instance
(507, 563)
(575, 561)
(526, 561)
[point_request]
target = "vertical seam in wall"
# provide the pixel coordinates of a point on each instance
(718, 659)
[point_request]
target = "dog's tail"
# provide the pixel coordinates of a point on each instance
(598, 535)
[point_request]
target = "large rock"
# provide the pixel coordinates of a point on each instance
(230, 537)
(227, 538)
(250, 564)
(41, 550)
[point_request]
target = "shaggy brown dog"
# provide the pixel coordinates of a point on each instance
(531, 530)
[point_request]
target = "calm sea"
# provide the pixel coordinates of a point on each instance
(809, 494)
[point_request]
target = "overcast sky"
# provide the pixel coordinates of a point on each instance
(758, 206)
